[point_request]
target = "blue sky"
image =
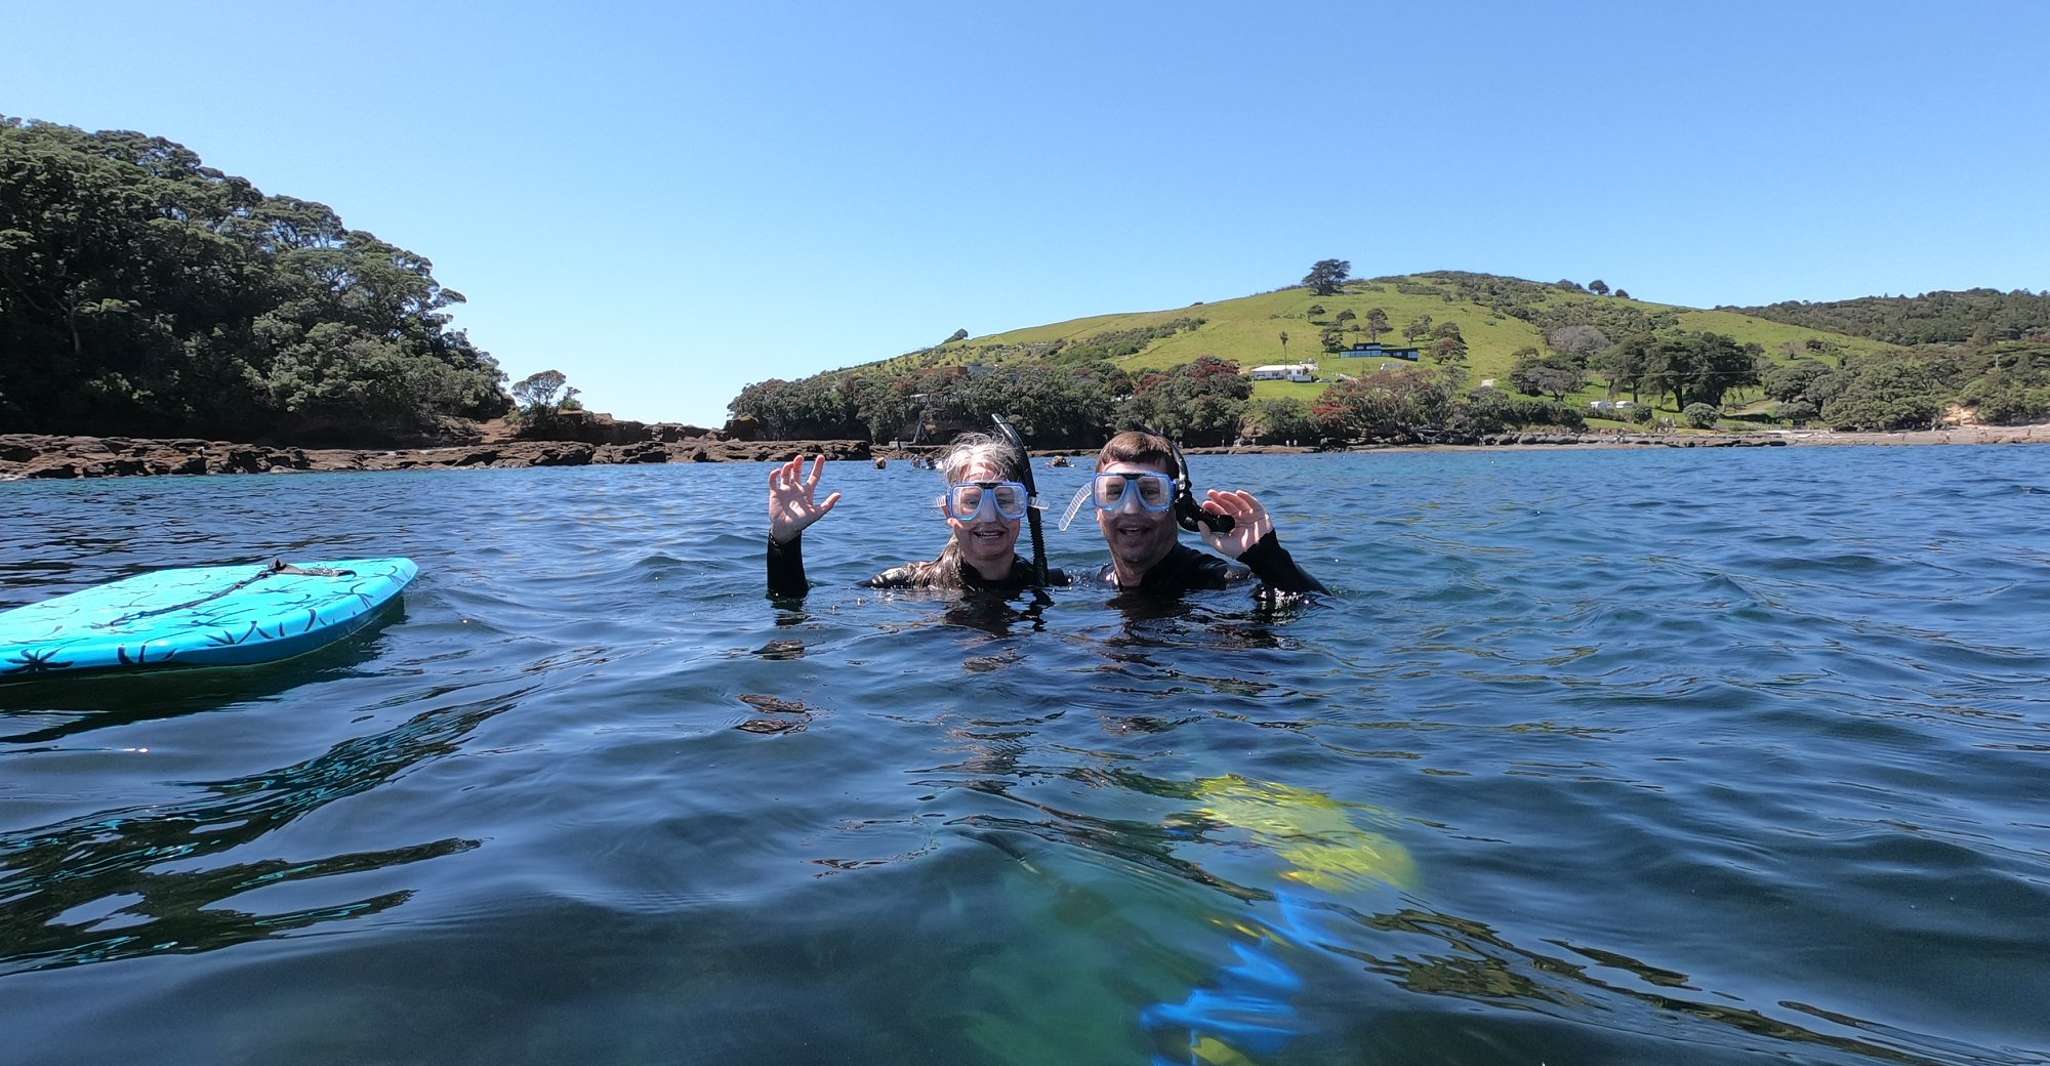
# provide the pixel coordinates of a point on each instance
(669, 201)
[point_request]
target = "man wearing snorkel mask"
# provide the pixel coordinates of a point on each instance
(1143, 499)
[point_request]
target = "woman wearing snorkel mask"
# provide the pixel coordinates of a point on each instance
(984, 505)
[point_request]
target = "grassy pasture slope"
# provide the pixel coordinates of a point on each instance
(1248, 329)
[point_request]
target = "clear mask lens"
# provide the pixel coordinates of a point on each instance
(1005, 499)
(1155, 492)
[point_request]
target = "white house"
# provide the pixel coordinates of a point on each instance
(1284, 372)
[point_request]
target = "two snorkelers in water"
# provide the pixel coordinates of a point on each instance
(1142, 497)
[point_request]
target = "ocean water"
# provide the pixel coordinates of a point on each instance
(1593, 757)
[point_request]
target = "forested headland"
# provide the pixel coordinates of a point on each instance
(145, 293)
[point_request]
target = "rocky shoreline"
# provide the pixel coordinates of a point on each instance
(39, 456)
(25, 455)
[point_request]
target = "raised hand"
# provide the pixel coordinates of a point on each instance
(1250, 521)
(792, 503)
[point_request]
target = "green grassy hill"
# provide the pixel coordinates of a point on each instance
(1248, 329)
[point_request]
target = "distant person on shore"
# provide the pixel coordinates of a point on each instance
(984, 505)
(1141, 492)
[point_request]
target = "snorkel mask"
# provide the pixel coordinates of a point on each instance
(1155, 492)
(967, 501)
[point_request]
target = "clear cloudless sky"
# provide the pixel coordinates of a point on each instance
(667, 201)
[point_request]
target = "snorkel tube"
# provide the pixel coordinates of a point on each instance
(1011, 436)
(1186, 513)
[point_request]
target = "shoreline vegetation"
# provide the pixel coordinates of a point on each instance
(30, 456)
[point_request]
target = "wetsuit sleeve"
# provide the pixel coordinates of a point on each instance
(896, 577)
(1276, 569)
(786, 568)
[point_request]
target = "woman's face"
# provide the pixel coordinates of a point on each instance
(988, 537)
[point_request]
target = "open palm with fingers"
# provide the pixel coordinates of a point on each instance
(793, 502)
(1250, 521)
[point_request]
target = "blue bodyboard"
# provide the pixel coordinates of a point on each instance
(201, 616)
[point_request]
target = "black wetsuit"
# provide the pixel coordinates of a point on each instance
(1185, 569)
(786, 574)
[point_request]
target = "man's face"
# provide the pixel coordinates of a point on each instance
(1137, 537)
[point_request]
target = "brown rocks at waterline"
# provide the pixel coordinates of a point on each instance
(37, 456)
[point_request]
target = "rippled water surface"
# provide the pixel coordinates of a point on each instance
(1593, 757)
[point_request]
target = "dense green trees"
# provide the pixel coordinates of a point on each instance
(1057, 406)
(1787, 382)
(1277, 420)
(1198, 403)
(1885, 394)
(1391, 403)
(143, 292)
(1700, 367)
(1979, 317)
(2010, 384)
(1553, 374)
(1418, 402)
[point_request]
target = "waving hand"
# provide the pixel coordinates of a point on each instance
(792, 498)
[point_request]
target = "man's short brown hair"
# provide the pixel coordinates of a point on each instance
(1138, 446)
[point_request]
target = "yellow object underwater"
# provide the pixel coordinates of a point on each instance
(1312, 832)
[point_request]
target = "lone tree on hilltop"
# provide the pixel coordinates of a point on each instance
(1622, 294)
(957, 335)
(1377, 324)
(1327, 275)
(1598, 287)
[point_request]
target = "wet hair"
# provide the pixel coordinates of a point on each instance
(1138, 446)
(970, 451)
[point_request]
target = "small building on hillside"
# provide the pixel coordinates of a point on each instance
(1377, 350)
(1284, 372)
